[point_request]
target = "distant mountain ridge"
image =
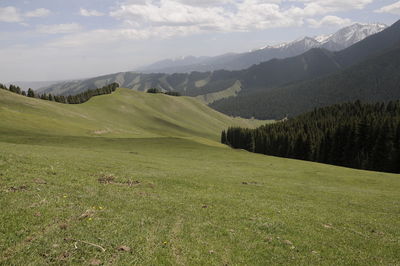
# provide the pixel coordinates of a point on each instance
(32, 84)
(196, 84)
(369, 73)
(340, 40)
(276, 72)
(375, 79)
(264, 89)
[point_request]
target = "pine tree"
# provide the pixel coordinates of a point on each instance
(223, 137)
(31, 93)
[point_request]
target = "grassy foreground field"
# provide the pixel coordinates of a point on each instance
(141, 179)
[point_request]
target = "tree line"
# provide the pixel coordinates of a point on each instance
(70, 99)
(171, 93)
(357, 135)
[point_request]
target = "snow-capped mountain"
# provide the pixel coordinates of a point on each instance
(342, 39)
(351, 35)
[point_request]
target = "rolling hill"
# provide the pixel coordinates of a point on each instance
(125, 114)
(135, 178)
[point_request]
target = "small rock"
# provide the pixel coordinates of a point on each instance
(95, 262)
(288, 242)
(269, 239)
(63, 226)
(211, 251)
(124, 248)
(86, 214)
(327, 226)
(63, 256)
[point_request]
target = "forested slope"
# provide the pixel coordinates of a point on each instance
(376, 79)
(364, 136)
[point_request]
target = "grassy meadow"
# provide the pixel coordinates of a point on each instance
(132, 178)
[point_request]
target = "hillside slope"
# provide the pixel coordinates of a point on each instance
(375, 79)
(126, 179)
(125, 113)
(273, 73)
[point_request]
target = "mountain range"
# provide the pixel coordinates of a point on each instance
(272, 89)
(190, 84)
(368, 71)
(340, 40)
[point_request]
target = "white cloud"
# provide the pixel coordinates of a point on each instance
(90, 13)
(246, 15)
(392, 9)
(313, 8)
(335, 5)
(12, 14)
(59, 28)
(145, 19)
(9, 14)
(204, 2)
(40, 12)
(108, 36)
(329, 21)
(231, 15)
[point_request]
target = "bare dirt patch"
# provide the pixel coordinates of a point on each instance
(17, 188)
(251, 183)
(101, 131)
(108, 179)
(40, 181)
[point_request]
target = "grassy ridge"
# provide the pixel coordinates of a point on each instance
(125, 114)
(173, 200)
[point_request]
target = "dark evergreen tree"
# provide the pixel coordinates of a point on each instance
(31, 93)
(223, 137)
(173, 93)
(153, 90)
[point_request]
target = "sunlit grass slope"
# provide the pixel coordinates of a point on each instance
(125, 113)
(126, 179)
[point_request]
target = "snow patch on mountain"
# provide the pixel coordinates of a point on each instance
(343, 38)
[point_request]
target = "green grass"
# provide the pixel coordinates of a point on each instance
(125, 114)
(195, 202)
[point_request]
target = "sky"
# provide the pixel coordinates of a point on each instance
(43, 40)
